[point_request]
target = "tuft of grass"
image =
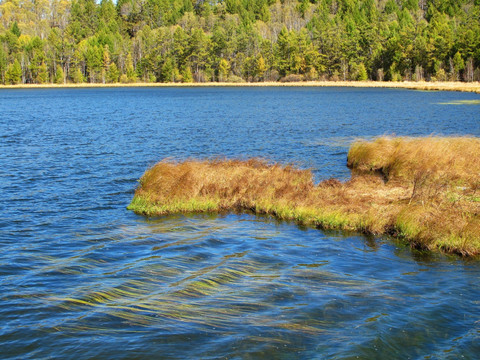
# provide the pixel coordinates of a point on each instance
(441, 159)
(427, 192)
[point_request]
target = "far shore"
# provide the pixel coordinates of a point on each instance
(436, 86)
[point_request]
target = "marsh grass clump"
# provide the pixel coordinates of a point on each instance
(220, 185)
(436, 159)
(428, 191)
(443, 177)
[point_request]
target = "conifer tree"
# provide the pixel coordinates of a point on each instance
(131, 75)
(113, 73)
(42, 76)
(3, 64)
(223, 70)
(13, 74)
(361, 72)
(59, 76)
(187, 75)
(78, 77)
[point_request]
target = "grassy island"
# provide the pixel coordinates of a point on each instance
(423, 190)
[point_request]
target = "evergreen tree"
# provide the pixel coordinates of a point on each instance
(131, 75)
(113, 73)
(261, 67)
(223, 70)
(187, 75)
(3, 64)
(78, 77)
(15, 29)
(168, 74)
(105, 63)
(361, 72)
(458, 65)
(13, 74)
(59, 76)
(42, 76)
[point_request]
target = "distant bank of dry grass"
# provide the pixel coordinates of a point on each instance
(444, 86)
(424, 190)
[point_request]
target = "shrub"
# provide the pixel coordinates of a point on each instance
(292, 78)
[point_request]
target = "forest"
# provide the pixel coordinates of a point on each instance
(78, 41)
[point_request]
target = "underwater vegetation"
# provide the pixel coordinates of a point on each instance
(423, 190)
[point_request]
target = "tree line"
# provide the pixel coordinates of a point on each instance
(76, 41)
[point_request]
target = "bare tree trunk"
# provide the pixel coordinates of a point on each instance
(469, 71)
(344, 66)
(380, 74)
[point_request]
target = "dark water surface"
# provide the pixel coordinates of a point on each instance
(83, 278)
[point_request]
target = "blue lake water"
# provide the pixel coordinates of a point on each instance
(82, 278)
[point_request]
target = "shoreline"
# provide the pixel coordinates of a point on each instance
(423, 191)
(426, 86)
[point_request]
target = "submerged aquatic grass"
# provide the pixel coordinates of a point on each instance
(423, 190)
(461, 102)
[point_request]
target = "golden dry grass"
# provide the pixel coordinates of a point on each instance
(443, 159)
(428, 191)
(442, 86)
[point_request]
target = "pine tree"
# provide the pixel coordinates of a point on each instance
(78, 77)
(458, 65)
(361, 72)
(113, 73)
(59, 76)
(260, 68)
(13, 74)
(105, 63)
(3, 64)
(131, 75)
(223, 70)
(16, 30)
(187, 75)
(167, 71)
(42, 76)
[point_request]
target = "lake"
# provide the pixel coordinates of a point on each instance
(81, 277)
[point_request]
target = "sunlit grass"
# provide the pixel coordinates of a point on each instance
(423, 86)
(439, 161)
(423, 190)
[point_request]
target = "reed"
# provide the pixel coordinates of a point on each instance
(427, 192)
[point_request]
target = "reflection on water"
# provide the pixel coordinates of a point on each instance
(83, 278)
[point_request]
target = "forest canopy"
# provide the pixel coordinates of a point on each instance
(76, 41)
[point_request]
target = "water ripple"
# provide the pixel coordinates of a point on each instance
(83, 278)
